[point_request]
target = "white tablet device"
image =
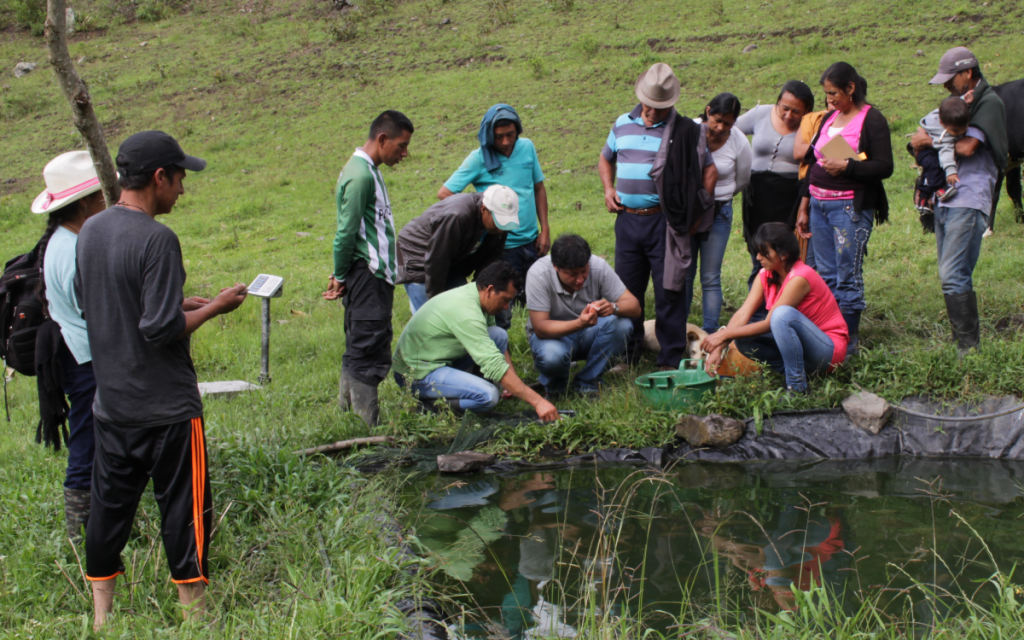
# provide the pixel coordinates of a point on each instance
(266, 286)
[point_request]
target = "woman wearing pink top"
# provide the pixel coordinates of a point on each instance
(804, 332)
(847, 196)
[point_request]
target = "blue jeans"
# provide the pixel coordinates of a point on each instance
(80, 387)
(711, 253)
(597, 345)
(958, 237)
(455, 382)
(417, 291)
(840, 241)
(795, 347)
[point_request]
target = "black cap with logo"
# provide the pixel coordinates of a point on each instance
(147, 151)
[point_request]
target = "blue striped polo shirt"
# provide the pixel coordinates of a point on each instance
(632, 146)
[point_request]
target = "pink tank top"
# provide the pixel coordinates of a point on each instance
(819, 305)
(851, 133)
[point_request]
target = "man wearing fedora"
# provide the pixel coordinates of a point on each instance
(658, 177)
(72, 196)
(961, 220)
(148, 416)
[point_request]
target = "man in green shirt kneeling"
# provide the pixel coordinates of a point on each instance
(454, 330)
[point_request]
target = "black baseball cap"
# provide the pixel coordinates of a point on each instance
(147, 151)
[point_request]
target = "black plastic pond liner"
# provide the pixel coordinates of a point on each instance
(829, 435)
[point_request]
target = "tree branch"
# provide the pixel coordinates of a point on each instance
(77, 93)
(344, 445)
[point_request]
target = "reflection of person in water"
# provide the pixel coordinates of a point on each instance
(524, 610)
(800, 550)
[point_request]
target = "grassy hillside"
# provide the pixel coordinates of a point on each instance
(277, 95)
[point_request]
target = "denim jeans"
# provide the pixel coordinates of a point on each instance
(417, 291)
(598, 345)
(80, 386)
(794, 347)
(958, 237)
(711, 253)
(840, 240)
(455, 382)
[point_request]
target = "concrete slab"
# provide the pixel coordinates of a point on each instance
(226, 388)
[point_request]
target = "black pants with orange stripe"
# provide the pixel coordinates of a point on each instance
(174, 456)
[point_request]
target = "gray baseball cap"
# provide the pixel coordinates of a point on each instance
(953, 62)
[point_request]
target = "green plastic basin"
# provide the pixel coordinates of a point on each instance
(674, 390)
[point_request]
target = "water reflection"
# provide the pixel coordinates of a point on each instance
(542, 554)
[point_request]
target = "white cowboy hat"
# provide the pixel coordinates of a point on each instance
(70, 176)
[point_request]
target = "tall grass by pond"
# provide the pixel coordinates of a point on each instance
(703, 552)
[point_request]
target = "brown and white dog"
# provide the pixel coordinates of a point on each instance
(694, 337)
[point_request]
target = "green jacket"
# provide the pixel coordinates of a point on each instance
(988, 113)
(366, 228)
(448, 327)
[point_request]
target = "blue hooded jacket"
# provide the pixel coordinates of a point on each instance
(486, 136)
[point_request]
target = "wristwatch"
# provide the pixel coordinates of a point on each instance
(616, 309)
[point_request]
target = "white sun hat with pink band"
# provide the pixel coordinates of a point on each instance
(70, 176)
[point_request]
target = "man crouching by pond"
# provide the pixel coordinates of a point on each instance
(455, 330)
(579, 310)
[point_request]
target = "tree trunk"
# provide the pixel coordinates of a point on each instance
(77, 93)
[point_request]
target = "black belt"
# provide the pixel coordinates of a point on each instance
(650, 211)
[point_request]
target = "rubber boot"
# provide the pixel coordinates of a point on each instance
(962, 309)
(364, 401)
(853, 327)
(344, 390)
(76, 511)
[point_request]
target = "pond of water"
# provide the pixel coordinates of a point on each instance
(542, 552)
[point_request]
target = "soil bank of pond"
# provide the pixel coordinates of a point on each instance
(536, 553)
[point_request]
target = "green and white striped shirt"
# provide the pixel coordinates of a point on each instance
(366, 227)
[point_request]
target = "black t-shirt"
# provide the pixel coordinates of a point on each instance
(129, 283)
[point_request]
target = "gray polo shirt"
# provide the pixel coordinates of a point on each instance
(544, 291)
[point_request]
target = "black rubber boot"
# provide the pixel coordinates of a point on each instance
(76, 512)
(344, 391)
(364, 401)
(853, 328)
(962, 309)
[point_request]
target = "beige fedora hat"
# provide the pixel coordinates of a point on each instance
(70, 176)
(658, 87)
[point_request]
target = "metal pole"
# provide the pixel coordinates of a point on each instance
(265, 344)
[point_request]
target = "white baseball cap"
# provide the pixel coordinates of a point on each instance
(503, 203)
(70, 176)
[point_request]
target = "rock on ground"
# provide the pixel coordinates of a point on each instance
(867, 411)
(464, 462)
(709, 431)
(23, 69)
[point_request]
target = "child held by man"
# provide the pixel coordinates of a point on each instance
(938, 179)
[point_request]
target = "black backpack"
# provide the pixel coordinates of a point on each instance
(21, 311)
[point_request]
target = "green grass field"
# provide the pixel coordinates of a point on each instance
(277, 95)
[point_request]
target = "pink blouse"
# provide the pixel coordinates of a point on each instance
(819, 306)
(851, 133)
